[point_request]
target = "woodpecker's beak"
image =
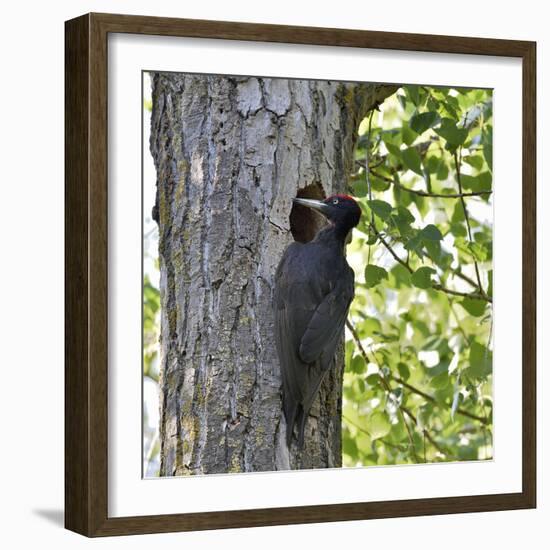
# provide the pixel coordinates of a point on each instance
(320, 206)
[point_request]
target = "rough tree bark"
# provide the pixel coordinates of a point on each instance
(231, 153)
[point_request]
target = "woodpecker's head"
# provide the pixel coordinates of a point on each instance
(340, 210)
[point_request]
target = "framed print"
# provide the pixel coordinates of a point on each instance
(300, 275)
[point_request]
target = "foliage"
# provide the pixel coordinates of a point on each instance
(151, 312)
(151, 329)
(418, 380)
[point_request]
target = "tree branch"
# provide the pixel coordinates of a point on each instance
(436, 286)
(381, 440)
(401, 407)
(441, 195)
(476, 295)
(466, 217)
(384, 382)
(425, 193)
(464, 277)
(357, 341)
(399, 380)
(429, 437)
(391, 250)
(428, 397)
(451, 307)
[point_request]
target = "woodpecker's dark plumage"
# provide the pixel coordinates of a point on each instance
(314, 286)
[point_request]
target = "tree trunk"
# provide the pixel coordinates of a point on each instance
(231, 153)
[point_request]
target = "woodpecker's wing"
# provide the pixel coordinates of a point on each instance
(295, 302)
(308, 326)
(327, 323)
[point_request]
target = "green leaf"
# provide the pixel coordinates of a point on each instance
(415, 244)
(485, 182)
(374, 275)
(412, 160)
(421, 122)
(381, 208)
(431, 233)
(357, 365)
(394, 150)
(402, 275)
(349, 349)
(378, 184)
(458, 213)
(481, 361)
(473, 306)
(442, 172)
(408, 135)
(363, 127)
(479, 252)
(422, 204)
(392, 141)
(474, 160)
(440, 382)
(458, 230)
(373, 379)
(405, 214)
(435, 164)
(421, 278)
(438, 255)
(449, 131)
(404, 371)
(476, 250)
(423, 414)
(379, 425)
(413, 93)
(370, 326)
(402, 218)
(431, 163)
(451, 105)
(487, 136)
(349, 446)
(481, 182)
(433, 104)
(360, 188)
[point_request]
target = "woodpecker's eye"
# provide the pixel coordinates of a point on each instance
(334, 201)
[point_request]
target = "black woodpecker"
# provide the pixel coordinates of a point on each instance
(314, 286)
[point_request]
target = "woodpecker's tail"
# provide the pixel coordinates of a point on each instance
(296, 412)
(301, 422)
(295, 416)
(290, 409)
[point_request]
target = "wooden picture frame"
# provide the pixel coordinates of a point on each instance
(86, 281)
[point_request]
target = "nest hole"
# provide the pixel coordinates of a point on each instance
(305, 222)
